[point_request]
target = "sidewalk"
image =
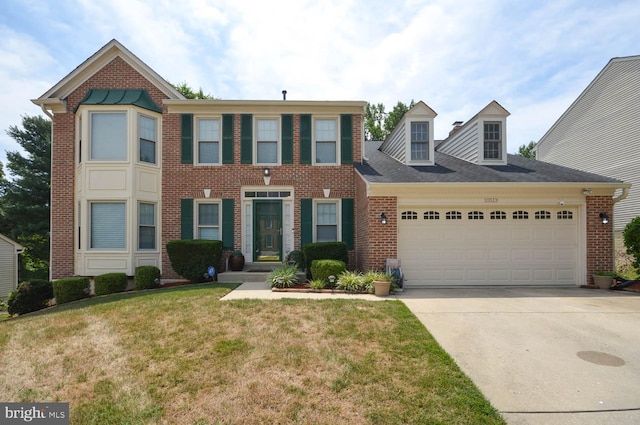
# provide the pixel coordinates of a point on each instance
(261, 290)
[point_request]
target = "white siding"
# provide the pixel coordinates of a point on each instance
(8, 267)
(463, 144)
(394, 146)
(600, 132)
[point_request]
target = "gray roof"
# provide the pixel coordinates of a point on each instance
(381, 168)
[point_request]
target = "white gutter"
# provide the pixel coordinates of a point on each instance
(624, 194)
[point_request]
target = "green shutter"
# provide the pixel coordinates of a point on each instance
(246, 139)
(227, 138)
(287, 139)
(347, 222)
(227, 224)
(186, 219)
(306, 221)
(346, 138)
(186, 139)
(305, 139)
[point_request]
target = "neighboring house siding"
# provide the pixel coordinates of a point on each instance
(463, 144)
(600, 133)
(395, 145)
(7, 268)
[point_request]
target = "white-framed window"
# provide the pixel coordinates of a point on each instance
(146, 226)
(208, 220)
(520, 215)
(208, 136)
(326, 214)
(267, 140)
(419, 140)
(543, 215)
(498, 215)
(431, 215)
(326, 141)
(108, 136)
(475, 215)
(492, 140)
(409, 215)
(453, 215)
(147, 139)
(108, 223)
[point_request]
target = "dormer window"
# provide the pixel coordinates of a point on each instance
(492, 140)
(419, 141)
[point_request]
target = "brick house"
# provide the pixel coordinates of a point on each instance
(135, 165)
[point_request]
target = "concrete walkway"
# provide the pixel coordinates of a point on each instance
(261, 290)
(562, 356)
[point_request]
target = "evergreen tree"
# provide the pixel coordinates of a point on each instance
(527, 150)
(24, 201)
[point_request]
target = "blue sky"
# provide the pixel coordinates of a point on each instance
(533, 57)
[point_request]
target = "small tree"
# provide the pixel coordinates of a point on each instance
(527, 150)
(631, 236)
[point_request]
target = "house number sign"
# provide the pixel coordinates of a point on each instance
(490, 200)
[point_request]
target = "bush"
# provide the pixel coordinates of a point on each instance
(283, 277)
(70, 289)
(147, 277)
(322, 269)
(631, 236)
(326, 251)
(352, 282)
(296, 256)
(110, 283)
(191, 258)
(31, 295)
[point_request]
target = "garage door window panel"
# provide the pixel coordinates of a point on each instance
(543, 215)
(409, 215)
(432, 215)
(453, 215)
(565, 215)
(520, 215)
(498, 215)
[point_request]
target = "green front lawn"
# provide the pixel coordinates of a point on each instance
(181, 356)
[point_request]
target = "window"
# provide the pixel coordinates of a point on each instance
(208, 141)
(108, 225)
(147, 135)
(565, 215)
(453, 215)
(109, 136)
(409, 215)
(146, 226)
(326, 222)
(326, 141)
(208, 221)
(543, 215)
(432, 215)
(520, 215)
(267, 141)
(498, 215)
(492, 140)
(475, 215)
(419, 141)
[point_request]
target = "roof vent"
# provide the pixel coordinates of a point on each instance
(457, 125)
(284, 95)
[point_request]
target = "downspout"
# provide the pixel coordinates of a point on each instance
(50, 115)
(624, 194)
(46, 112)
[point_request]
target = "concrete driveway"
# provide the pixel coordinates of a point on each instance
(542, 355)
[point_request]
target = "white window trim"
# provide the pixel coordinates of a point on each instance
(338, 203)
(196, 138)
(196, 218)
(278, 120)
(430, 143)
(503, 142)
(89, 227)
(156, 142)
(155, 226)
(336, 118)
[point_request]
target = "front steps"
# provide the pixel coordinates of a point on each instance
(254, 273)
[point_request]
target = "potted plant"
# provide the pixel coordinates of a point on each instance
(236, 261)
(603, 279)
(382, 284)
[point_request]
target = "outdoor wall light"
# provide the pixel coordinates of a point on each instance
(604, 217)
(383, 219)
(266, 172)
(586, 191)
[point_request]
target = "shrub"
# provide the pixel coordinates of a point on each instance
(110, 283)
(3, 304)
(283, 277)
(352, 282)
(322, 269)
(296, 256)
(191, 258)
(70, 289)
(326, 251)
(317, 284)
(631, 236)
(147, 277)
(31, 295)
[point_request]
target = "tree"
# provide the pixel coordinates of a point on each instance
(396, 114)
(188, 92)
(527, 150)
(24, 202)
(374, 118)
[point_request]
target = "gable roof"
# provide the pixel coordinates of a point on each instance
(381, 168)
(19, 248)
(492, 108)
(95, 63)
(603, 79)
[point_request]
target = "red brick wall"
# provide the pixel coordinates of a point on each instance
(115, 75)
(600, 237)
(377, 242)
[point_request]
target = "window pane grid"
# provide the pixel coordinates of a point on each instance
(208, 221)
(208, 141)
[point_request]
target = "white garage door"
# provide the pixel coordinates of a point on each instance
(518, 246)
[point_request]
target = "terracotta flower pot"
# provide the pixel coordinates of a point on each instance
(602, 282)
(382, 287)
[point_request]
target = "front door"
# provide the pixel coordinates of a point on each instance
(267, 225)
